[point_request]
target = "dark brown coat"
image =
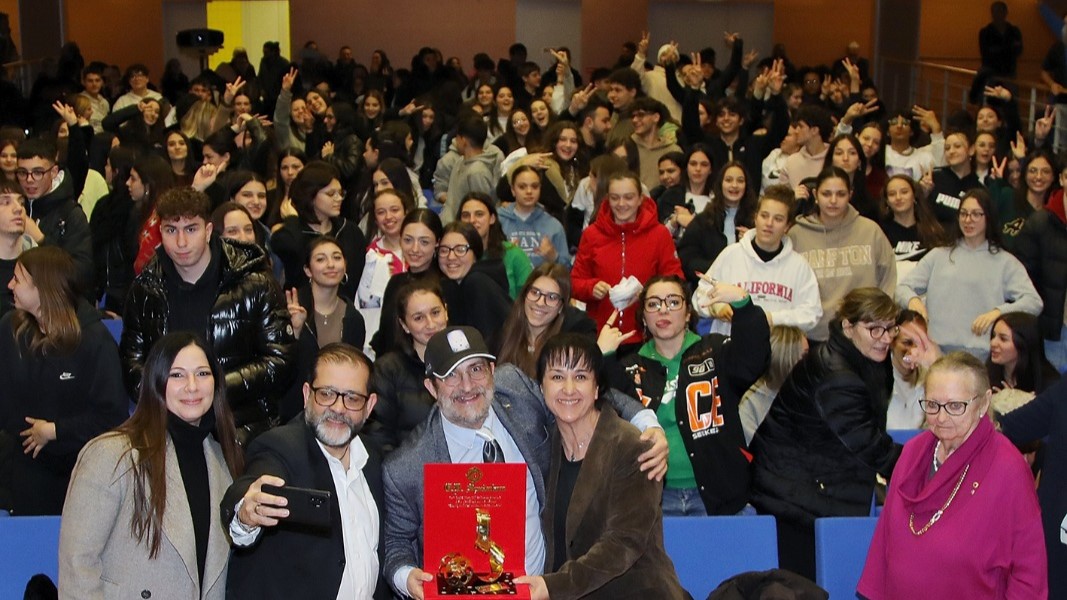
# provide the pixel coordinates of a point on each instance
(614, 523)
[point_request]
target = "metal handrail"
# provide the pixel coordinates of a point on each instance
(931, 83)
(23, 73)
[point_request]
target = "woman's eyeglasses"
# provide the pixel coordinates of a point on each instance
(953, 407)
(551, 298)
(672, 302)
(459, 251)
(878, 331)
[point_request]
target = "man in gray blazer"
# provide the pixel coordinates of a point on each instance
(482, 413)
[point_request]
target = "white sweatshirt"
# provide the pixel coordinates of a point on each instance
(785, 287)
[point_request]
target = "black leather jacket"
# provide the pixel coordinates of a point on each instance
(250, 329)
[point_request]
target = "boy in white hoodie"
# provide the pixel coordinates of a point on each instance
(778, 279)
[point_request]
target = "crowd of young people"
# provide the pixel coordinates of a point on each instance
(705, 226)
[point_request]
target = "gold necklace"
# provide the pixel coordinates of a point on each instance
(941, 511)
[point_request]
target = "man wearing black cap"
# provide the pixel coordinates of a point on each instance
(483, 414)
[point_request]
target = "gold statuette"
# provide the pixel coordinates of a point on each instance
(483, 543)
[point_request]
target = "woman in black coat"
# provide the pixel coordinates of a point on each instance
(824, 439)
(317, 195)
(476, 299)
(403, 400)
(57, 390)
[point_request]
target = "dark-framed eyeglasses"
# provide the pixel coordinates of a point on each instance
(673, 302)
(952, 407)
(34, 175)
(551, 298)
(477, 372)
(327, 396)
(878, 331)
(460, 250)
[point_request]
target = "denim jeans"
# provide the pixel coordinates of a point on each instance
(686, 502)
(683, 502)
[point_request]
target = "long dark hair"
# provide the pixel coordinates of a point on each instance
(189, 165)
(931, 234)
(53, 273)
(429, 285)
(495, 247)
(992, 229)
(315, 176)
(1032, 369)
(406, 202)
(706, 151)
(157, 176)
(714, 213)
(1022, 205)
(515, 347)
(146, 430)
(858, 196)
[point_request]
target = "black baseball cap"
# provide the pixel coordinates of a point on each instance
(451, 346)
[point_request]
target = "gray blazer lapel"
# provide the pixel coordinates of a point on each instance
(535, 463)
(177, 520)
(218, 550)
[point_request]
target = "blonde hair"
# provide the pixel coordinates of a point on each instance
(197, 123)
(787, 348)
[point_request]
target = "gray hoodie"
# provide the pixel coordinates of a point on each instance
(475, 174)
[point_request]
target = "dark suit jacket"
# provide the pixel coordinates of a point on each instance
(614, 522)
(293, 561)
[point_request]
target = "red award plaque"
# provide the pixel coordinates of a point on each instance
(475, 530)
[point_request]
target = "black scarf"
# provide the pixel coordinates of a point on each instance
(188, 442)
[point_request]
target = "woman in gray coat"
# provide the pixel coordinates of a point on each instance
(141, 517)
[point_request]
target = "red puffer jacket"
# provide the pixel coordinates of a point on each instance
(610, 252)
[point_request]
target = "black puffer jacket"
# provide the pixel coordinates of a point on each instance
(1042, 248)
(250, 329)
(817, 452)
(403, 401)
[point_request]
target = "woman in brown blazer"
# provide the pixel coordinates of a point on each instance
(602, 521)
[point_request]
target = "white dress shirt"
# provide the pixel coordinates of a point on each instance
(359, 523)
